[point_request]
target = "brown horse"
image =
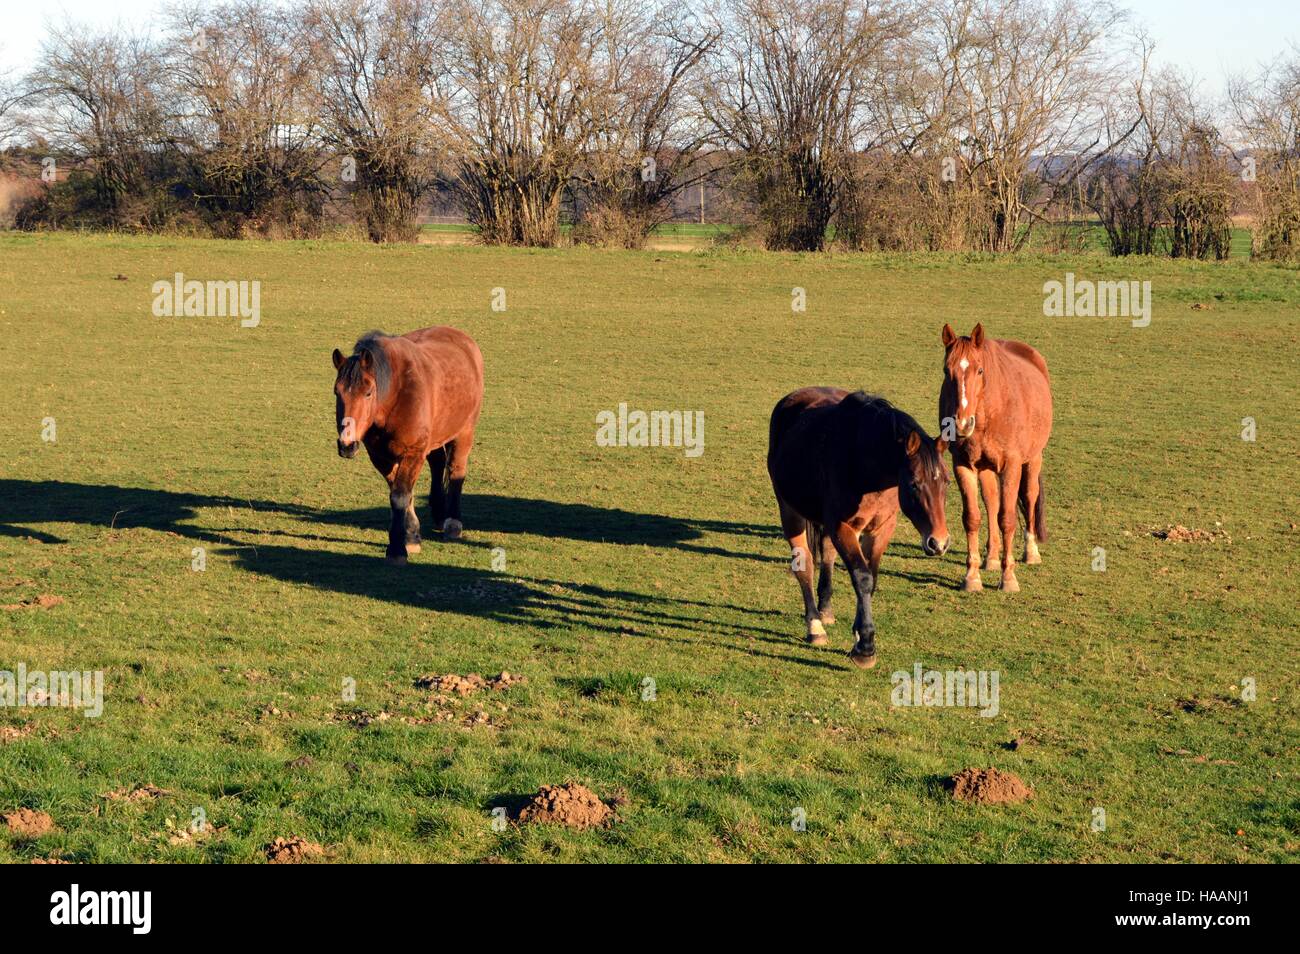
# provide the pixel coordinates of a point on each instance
(997, 399)
(844, 463)
(411, 398)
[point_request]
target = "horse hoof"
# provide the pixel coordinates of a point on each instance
(862, 660)
(395, 560)
(817, 634)
(412, 548)
(452, 528)
(1009, 585)
(828, 618)
(1033, 559)
(992, 566)
(973, 584)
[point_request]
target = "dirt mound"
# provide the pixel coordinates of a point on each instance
(456, 684)
(1177, 533)
(571, 805)
(11, 733)
(44, 601)
(988, 787)
(29, 824)
(291, 850)
(143, 793)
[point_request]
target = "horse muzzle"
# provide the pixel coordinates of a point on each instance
(966, 426)
(933, 546)
(348, 450)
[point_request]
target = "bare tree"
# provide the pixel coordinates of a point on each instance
(374, 73)
(1022, 84)
(788, 94)
(245, 113)
(645, 136)
(1267, 111)
(97, 97)
(515, 110)
(1127, 189)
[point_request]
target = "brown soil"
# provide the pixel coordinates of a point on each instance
(988, 787)
(26, 823)
(142, 794)
(10, 733)
(467, 685)
(44, 601)
(1177, 533)
(571, 805)
(291, 850)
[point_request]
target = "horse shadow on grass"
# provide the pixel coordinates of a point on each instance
(536, 602)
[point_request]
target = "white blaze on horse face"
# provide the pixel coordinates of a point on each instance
(961, 382)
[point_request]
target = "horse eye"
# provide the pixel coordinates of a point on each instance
(981, 370)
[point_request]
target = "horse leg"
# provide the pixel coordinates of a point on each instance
(404, 531)
(863, 653)
(458, 451)
(876, 545)
(1029, 499)
(795, 530)
(825, 573)
(438, 492)
(968, 483)
(989, 488)
(1010, 491)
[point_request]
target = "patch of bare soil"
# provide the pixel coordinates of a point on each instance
(467, 685)
(361, 719)
(292, 850)
(571, 805)
(44, 601)
(1196, 705)
(50, 861)
(142, 793)
(1177, 533)
(26, 823)
(989, 787)
(11, 733)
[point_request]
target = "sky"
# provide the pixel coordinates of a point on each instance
(1214, 38)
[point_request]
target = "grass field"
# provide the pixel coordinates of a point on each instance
(1124, 687)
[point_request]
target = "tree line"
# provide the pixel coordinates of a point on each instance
(873, 124)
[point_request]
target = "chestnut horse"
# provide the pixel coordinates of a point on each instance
(844, 463)
(997, 398)
(411, 398)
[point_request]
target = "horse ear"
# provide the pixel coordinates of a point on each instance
(977, 336)
(949, 336)
(941, 445)
(338, 359)
(913, 443)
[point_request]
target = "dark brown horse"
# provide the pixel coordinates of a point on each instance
(841, 465)
(411, 398)
(997, 399)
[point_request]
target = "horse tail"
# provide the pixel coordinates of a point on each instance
(816, 538)
(1040, 519)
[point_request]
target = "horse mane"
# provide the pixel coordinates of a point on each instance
(380, 367)
(897, 422)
